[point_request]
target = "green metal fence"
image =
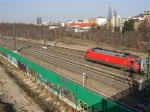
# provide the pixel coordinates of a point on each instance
(84, 97)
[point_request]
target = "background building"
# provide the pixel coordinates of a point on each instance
(101, 21)
(39, 20)
(82, 27)
(117, 21)
(148, 21)
(53, 25)
(89, 20)
(147, 12)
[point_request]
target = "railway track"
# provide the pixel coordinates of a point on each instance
(84, 67)
(60, 57)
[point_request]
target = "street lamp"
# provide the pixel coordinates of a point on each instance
(83, 78)
(121, 31)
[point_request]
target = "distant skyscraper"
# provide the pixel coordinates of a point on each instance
(39, 20)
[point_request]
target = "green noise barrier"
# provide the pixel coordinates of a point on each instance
(85, 99)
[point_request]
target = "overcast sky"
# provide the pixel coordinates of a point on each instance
(61, 10)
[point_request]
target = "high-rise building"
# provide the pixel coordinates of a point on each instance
(39, 20)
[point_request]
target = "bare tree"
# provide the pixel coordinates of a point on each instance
(109, 18)
(101, 35)
(115, 17)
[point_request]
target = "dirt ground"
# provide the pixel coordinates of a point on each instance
(31, 97)
(10, 92)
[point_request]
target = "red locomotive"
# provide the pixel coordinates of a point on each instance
(116, 59)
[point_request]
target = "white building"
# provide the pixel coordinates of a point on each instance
(101, 21)
(89, 20)
(139, 17)
(46, 23)
(69, 21)
(78, 21)
(117, 21)
(62, 24)
(57, 24)
(123, 20)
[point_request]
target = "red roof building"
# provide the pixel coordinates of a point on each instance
(81, 27)
(88, 25)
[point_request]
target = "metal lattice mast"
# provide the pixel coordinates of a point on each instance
(45, 36)
(14, 34)
(148, 66)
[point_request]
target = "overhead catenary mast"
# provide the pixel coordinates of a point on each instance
(148, 67)
(14, 35)
(45, 37)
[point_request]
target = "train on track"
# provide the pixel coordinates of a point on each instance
(127, 61)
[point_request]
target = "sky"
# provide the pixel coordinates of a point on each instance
(61, 10)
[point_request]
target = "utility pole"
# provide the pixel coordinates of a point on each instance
(45, 38)
(14, 34)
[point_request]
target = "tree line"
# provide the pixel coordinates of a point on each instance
(128, 38)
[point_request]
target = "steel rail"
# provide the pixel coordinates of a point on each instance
(104, 73)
